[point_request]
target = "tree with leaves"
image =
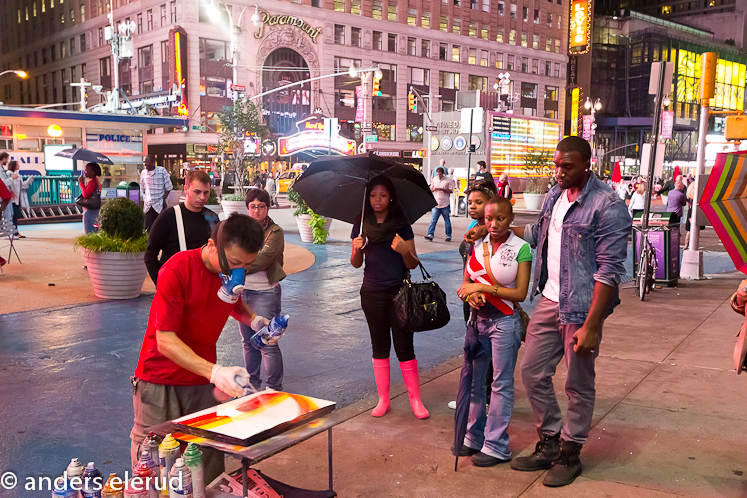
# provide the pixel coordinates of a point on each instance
(235, 122)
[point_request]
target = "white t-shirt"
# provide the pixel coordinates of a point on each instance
(442, 198)
(554, 239)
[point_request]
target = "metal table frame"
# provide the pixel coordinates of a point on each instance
(255, 453)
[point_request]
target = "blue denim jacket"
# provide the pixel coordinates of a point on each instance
(594, 247)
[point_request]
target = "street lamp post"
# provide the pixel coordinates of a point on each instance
(18, 72)
(365, 75)
(256, 19)
(594, 108)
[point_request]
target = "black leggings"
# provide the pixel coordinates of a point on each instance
(378, 308)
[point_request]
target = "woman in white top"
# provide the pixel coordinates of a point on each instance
(638, 201)
(499, 330)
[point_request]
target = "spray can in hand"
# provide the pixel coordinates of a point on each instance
(193, 460)
(270, 334)
(93, 481)
(180, 480)
(169, 452)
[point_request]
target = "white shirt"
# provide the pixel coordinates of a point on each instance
(622, 191)
(442, 198)
(554, 239)
(636, 202)
(154, 185)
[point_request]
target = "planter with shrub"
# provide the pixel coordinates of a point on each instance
(212, 203)
(535, 192)
(311, 226)
(115, 255)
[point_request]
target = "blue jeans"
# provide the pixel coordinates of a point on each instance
(89, 219)
(265, 303)
(444, 211)
(501, 338)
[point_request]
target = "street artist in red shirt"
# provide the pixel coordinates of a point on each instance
(177, 368)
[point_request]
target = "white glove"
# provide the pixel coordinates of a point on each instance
(227, 379)
(259, 322)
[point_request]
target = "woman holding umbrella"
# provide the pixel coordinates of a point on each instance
(496, 277)
(92, 172)
(383, 239)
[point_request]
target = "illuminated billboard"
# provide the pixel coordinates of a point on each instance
(730, 82)
(513, 138)
(579, 27)
(308, 140)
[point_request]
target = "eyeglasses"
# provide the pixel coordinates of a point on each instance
(253, 207)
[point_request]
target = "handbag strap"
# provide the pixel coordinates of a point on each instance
(486, 260)
(180, 228)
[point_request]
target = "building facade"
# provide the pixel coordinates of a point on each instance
(434, 47)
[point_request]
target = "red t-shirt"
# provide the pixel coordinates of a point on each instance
(186, 302)
(5, 194)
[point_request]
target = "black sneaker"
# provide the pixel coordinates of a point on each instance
(482, 460)
(448, 239)
(465, 451)
(566, 468)
(545, 453)
(428, 238)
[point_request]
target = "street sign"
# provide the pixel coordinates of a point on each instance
(371, 138)
(238, 88)
(366, 126)
(369, 146)
(431, 128)
(199, 128)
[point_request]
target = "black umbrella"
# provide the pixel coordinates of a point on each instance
(335, 187)
(87, 155)
(472, 350)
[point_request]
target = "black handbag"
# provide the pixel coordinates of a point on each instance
(420, 306)
(93, 202)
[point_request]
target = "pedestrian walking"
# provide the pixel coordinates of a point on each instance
(263, 294)
(177, 371)
(271, 186)
(16, 188)
(483, 173)
(90, 216)
(454, 197)
(189, 229)
(638, 200)
(442, 187)
(677, 199)
(155, 185)
(496, 277)
(384, 241)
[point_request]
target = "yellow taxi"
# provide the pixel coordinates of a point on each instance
(286, 180)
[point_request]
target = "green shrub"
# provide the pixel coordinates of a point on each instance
(213, 199)
(103, 242)
(233, 197)
(317, 228)
(122, 219)
(301, 206)
(537, 185)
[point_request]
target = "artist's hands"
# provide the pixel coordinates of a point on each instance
(258, 322)
(476, 300)
(466, 289)
(230, 380)
(586, 339)
(399, 245)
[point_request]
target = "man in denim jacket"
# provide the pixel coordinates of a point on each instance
(581, 238)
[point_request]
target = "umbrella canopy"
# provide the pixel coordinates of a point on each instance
(335, 187)
(616, 176)
(86, 155)
(724, 202)
(472, 350)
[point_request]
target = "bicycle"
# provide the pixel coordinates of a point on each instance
(647, 263)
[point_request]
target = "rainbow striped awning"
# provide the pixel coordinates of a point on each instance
(724, 202)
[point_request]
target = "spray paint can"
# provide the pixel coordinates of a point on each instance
(193, 460)
(145, 478)
(75, 469)
(135, 489)
(114, 487)
(180, 480)
(151, 444)
(168, 451)
(93, 481)
(148, 461)
(64, 489)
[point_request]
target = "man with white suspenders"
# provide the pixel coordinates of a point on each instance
(185, 226)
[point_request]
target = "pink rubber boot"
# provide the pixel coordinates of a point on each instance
(381, 374)
(412, 383)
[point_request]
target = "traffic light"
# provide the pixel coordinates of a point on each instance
(411, 105)
(376, 89)
(707, 88)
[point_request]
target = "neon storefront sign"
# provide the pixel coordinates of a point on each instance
(580, 26)
(307, 140)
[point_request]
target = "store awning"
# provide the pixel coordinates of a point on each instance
(91, 119)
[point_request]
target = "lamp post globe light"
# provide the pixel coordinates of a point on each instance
(596, 106)
(18, 72)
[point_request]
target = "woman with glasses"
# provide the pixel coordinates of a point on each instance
(262, 293)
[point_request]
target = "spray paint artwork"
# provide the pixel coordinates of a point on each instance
(251, 419)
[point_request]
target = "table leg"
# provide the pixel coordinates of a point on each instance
(245, 469)
(329, 456)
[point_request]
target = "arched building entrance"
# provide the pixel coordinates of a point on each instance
(284, 108)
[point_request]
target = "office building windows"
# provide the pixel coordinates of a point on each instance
(548, 68)
(525, 64)
(442, 51)
(425, 19)
(512, 37)
(82, 12)
(339, 6)
(411, 46)
(524, 40)
(163, 15)
(535, 66)
(549, 19)
(548, 44)
(355, 37)
(536, 16)
(557, 46)
(473, 29)
(525, 14)
(425, 48)
(477, 83)
(456, 26)
(412, 17)
(83, 42)
(510, 62)
(443, 24)
(499, 35)
(499, 60)
(501, 7)
(484, 33)
(377, 40)
(535, 41)
(419, 76)
(472, 59)
(355, 7)
(392, 42)
(456, 53)
(448, 80)
(484, 58)
(339, 34)
(486, 5)
(376, 13)
(556, 70)
(392, 12)
(513, 12)
(173, 11)
(149, 19)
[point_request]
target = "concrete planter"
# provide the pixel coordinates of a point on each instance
(175, 197)
(116, 275)
(533, 202)
(231, 207)
(664, 199)
(305, 230)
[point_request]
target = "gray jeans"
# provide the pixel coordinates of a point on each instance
(548, 341)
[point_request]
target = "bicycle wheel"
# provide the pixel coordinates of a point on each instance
(642, 274)
(652, 267)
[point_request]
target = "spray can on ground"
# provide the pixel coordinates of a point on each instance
(74, 470)
(114, 487)
(180, 480)
(93, 481)
(151, 443)
(193, 460)
(135, 489)
(271, 334)
(168, 450)
(64, 489)
(145, 478)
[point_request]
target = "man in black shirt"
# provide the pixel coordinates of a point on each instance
(483, 173)
(198, 222)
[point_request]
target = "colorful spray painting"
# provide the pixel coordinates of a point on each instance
(252, 419)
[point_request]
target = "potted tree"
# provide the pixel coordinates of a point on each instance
(115, 255)
(311, 226)
(212, 202)
(239, 123)
(538, 167)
